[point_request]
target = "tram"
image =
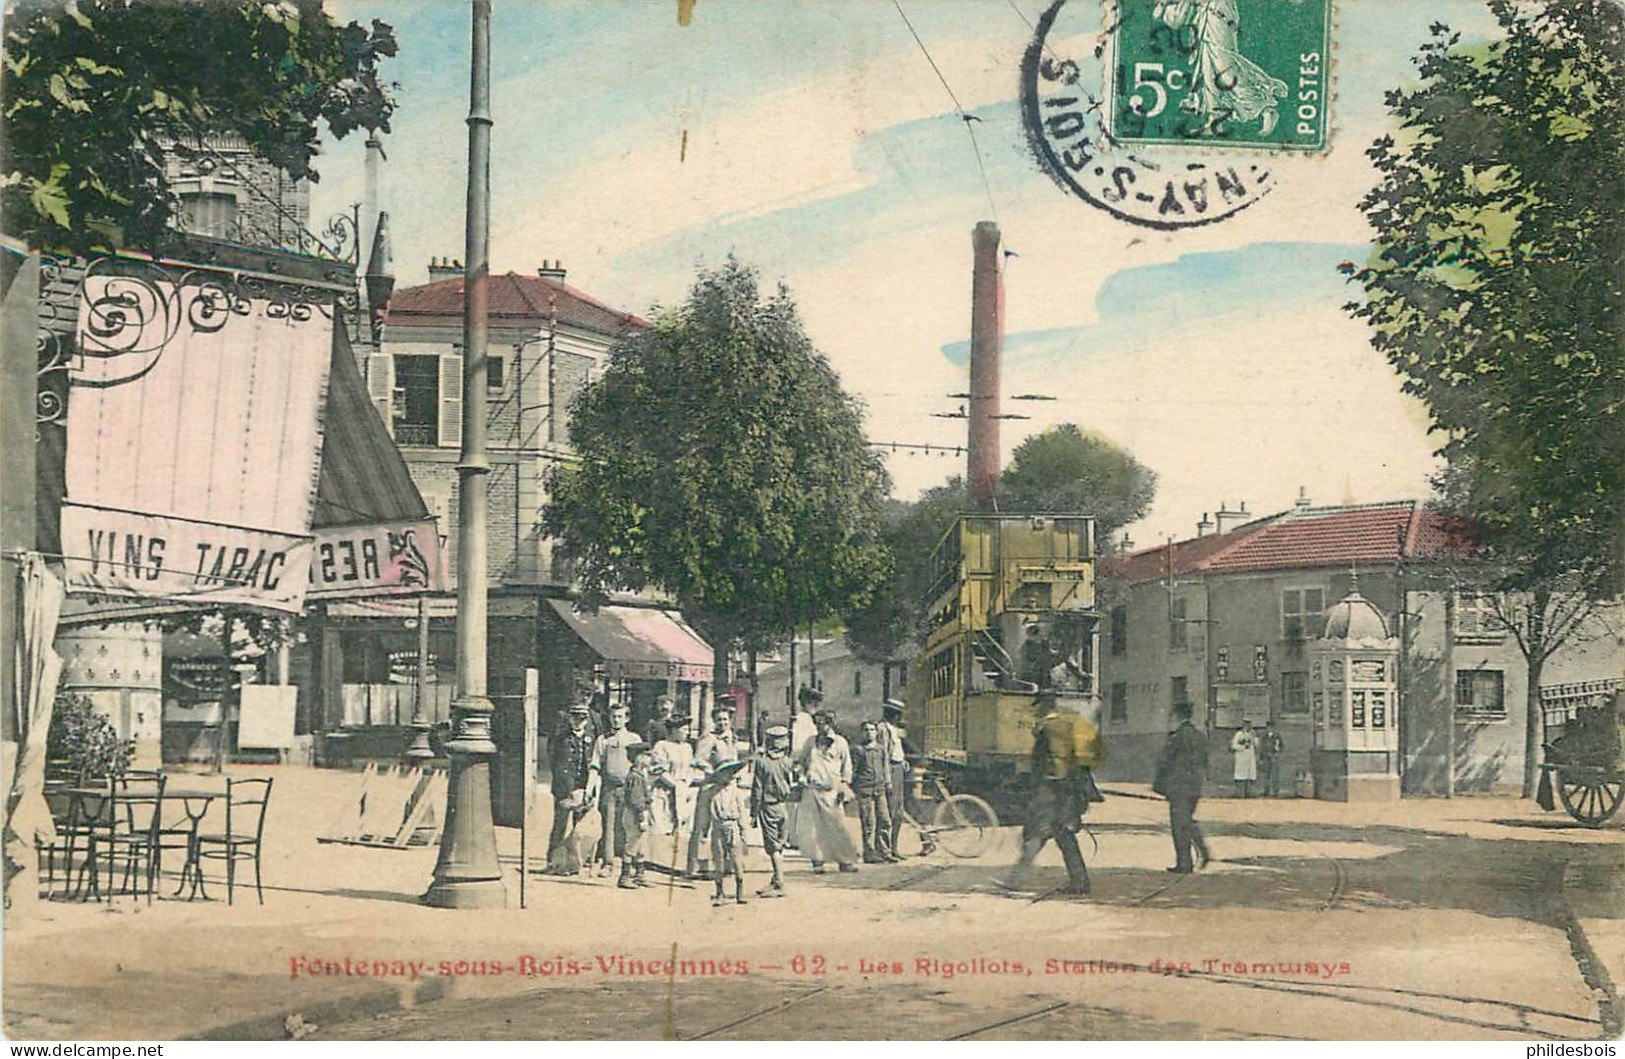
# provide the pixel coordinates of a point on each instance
(1012, 611)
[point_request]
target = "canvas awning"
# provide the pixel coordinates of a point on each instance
(640, 642)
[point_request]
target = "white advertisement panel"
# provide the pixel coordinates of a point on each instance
(377, 560)
(195, 399)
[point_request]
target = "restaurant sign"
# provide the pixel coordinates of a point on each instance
(393, 558)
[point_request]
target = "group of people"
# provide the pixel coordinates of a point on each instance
(650, 784)
(1257, 753)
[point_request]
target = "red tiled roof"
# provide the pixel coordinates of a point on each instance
(513, 298)
(1318, 537)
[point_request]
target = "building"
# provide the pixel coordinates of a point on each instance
(853, 688)
(1234, 621)
(547, 340)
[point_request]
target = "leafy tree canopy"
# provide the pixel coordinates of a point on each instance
(1495, 287)
(1066, 469)
(722, 462)
(97, 90)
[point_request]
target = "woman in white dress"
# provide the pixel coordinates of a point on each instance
(1244, 745)
(674, 795)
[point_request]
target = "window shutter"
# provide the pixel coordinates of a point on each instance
(451, 400)
(381, 387)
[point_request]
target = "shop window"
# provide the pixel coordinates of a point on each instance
(1481, 694)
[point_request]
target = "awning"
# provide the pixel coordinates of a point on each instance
(641, 642)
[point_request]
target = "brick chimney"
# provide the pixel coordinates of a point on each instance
(553, 270)
(986, 346)
(1302, 503)
(444, 268)
(1204, 527)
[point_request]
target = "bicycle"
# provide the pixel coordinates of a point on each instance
(962, 824)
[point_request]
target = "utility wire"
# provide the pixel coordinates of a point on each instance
(959, 108)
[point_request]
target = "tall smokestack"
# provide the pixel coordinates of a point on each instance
(986, 345)
(370, 202)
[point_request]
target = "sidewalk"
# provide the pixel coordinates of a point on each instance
(342, 934)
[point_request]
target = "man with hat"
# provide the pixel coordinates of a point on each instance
(716, 748)
(1181, 771)
(771, 792)
(896, 753)
(1062, 744)
(569, 754)
(826, 762)
(730, 810)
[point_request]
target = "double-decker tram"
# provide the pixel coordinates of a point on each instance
(1012, 612)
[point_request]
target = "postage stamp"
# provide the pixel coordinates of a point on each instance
(1220, 73)
(1065, 88)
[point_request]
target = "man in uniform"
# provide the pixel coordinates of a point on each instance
(569, 754)
(1064, 787)
(1180, 772)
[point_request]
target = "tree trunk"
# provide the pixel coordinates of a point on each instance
(1535, 661)
(719, 667)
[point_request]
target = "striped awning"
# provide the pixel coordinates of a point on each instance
(640, 642)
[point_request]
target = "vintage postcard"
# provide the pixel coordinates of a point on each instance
(865, 520)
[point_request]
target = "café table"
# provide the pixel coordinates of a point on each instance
(93, 806)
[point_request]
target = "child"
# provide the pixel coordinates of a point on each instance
(729, 813)
(773, 789)
(637, 814)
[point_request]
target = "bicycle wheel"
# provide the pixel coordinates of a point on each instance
(911, 839)
(964, 825)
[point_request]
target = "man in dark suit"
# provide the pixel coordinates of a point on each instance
(1180, 772)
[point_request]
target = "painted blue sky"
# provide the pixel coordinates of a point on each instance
(821, 147)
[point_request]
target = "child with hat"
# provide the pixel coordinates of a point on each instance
(730, 810)
(637, 814)
(771, 792)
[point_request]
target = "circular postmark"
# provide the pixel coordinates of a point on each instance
(1064, 89)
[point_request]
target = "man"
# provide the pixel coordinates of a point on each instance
(1063, 791)
(772, 789)
(607, 782)
(716, 748)
(1244, 745)
(896, 753)
(1180, 772)
(1270, 748)
(659, 725)
(826, 762)
(870, 770)
(569, 754)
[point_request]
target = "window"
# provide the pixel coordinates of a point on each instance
(1119, 630)
(1178, 690)
(1178, 631)
(1119, 704)
(857, 682)
(1481, 694)
(1303, 613)
(1294, 694)
(496, 374)
(1477, 618)
(417, 399)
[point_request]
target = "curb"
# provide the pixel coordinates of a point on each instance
(1592, 968)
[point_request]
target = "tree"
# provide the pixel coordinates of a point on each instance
(1065, 469)
(1062, 469)
(98, 90)
(721, 461)
(1494, 290)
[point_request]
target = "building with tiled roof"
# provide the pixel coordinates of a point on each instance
(1229, 621)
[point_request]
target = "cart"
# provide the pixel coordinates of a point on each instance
(1584, 765)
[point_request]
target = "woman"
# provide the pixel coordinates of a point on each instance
(1244, 745)
(674, 796)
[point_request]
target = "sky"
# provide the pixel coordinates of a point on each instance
(813, 140)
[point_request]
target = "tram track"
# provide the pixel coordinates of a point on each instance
(772, 1009)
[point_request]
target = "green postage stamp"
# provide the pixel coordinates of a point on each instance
(1220, 73)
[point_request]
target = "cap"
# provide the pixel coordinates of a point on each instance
(811, 694)
(726, 772)
(778, 733)
(825, 715)
(578, 706)
(639, 747)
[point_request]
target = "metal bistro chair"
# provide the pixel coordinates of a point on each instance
(91, 819)
(138, 801)
(246, 802)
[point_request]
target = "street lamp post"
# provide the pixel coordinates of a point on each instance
(467, 874)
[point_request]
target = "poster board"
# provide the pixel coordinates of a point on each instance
(267, 713)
